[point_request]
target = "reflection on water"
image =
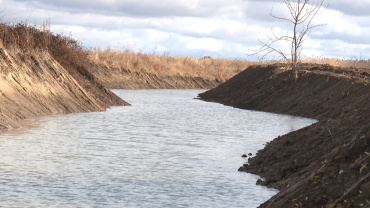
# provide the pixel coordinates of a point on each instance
(166, 150)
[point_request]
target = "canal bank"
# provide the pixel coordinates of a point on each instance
(45, 74)
(34, 84)
(324, 165)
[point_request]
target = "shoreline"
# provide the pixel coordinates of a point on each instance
(317, 165)
(324, 164)
(35, 84)
(117, 78)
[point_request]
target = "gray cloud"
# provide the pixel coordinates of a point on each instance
(149, 8)
(157, 25)
(353, 8)
(348, 38)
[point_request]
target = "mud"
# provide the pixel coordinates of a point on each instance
(35, 84)
(324, 165)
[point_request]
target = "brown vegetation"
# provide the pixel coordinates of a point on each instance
(71, 55)
(324, 165)
(168, 66)
(42, 74)
(132, 62)
(339, 62)
(64, 49)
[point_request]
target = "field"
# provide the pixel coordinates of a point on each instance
(205, 67)
(71, 54)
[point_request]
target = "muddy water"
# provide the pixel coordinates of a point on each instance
(166, 150)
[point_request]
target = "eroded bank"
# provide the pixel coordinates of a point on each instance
(35, 84)
(323, 165)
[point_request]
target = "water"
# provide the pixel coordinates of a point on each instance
(167, 150)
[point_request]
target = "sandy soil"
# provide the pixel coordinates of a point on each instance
(324, 165)
(118, 78)
(36, 85)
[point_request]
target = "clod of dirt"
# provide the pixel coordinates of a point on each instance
(325, 164)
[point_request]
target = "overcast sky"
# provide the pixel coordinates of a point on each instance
(216, 28)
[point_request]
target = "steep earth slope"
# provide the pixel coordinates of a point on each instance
(118, 78)
(35, 84)
(324, 165)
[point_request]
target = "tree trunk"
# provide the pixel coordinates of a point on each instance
(295, 71)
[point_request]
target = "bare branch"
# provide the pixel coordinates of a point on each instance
(301, 15)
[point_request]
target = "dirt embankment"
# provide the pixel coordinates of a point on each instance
(35, 84)
(324, 165)
(118, 78)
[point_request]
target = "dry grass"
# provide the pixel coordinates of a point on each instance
(71, 55)
(206, 67)
(340, 62)
(26, 39)
(165, 65)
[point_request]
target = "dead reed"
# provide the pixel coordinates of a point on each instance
(134, 60)
(339, 62)
(71, 55)
(30, 40)
(165, 65)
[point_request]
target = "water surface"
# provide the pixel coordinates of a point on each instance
(166, 150)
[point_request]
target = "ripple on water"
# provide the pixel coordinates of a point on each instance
(166, 150)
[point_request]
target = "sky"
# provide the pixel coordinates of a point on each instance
(197, 28)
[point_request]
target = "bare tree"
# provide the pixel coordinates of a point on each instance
(302, 13)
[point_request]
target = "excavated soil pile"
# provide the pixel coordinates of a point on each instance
(324, 165)
(35, 84)
(118, 78)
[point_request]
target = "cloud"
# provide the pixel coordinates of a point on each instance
(351, 7)
(148, 8)
(218, 28)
